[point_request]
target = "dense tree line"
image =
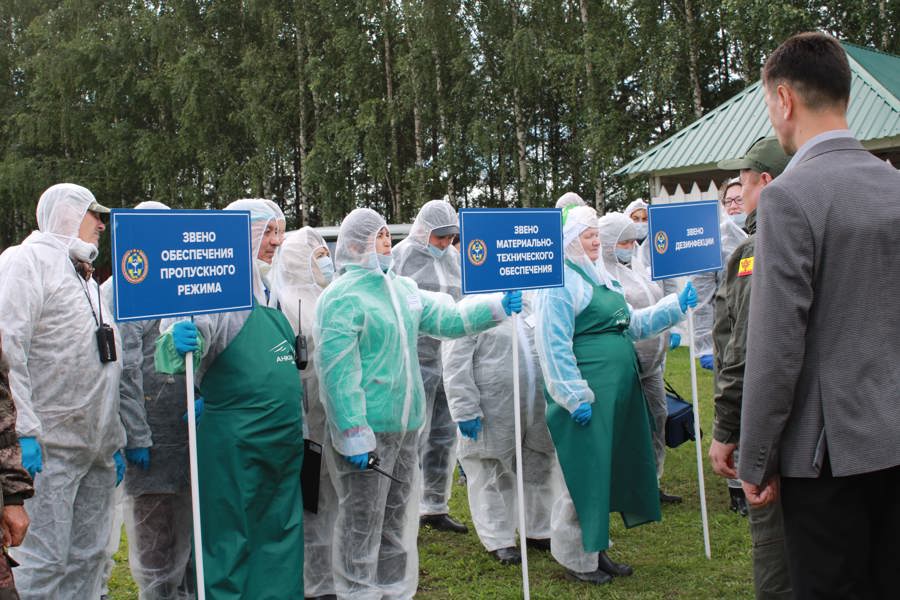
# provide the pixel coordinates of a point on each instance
(324, 106)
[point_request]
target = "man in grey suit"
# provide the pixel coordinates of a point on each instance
(820, 420)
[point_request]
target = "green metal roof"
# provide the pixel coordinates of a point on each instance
(728, 130)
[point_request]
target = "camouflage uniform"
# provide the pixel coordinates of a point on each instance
(15, 482)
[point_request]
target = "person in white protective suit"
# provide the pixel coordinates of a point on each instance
(156, 507)
(303, 269)
(66, 396)
(367, 325)
(596, 412)
(478, 377)
(249, 444)
(618, 238)
(428, 257)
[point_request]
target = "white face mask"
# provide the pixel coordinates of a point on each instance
(264, 270)
(326, 270)
(740, 219)
(437, 252)
(642, 229)
(83, 251)
(385, 261)
(623, 255)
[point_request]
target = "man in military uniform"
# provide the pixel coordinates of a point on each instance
(15, 484)
(763, 161)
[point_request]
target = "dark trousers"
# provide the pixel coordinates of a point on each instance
(843, 535)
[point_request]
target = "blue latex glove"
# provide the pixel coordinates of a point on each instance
(32, 459)
(688, 297)
(582, 414)
(120, 466)
(360, 461)
(470, 428)
(139, 457)
(706, 361)
(674, 341)
(512, 302)
(198, 410)
(186, 337)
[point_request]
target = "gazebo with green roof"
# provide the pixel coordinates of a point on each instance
(691, 154)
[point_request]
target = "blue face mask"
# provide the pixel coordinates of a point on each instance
(326, 267)
(623, 255)
(385, 261)
(641, 229)
(739, 219)
(437, 252)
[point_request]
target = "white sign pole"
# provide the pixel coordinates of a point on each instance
(195, 485)
(697, 441)
(520, 477)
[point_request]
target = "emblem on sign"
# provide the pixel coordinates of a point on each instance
(477, 252)
(134, 266)
(661, 242)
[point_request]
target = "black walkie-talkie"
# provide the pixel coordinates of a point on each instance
(301, 354)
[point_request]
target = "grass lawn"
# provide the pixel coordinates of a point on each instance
(668, 556)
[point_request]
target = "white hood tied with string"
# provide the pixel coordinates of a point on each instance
(635, 205)
(60, 211)
(577, 220)
(296, 276)
(356, 239)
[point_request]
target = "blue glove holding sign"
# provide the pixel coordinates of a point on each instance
(185, 337)
(512, 302)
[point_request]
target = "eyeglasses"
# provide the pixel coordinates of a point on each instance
(737, 201)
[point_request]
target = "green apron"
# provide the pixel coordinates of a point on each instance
(608, 465)
(250, 451)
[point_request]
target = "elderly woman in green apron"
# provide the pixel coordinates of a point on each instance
(595, 408)
(250, 444)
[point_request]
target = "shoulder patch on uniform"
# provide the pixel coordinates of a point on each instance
(746, 267)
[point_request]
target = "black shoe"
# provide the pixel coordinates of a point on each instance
(597, 577)
(542, 544)
(325, 597)
(738, 501)
(443, 523)
(613, 568)
(665, 498)
(507, 556)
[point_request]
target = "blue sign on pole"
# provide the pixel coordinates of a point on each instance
(510, 249)
(171, 263)
(685, 239)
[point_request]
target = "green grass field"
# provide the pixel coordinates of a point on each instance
(668, 556)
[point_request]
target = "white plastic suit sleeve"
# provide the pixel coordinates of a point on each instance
(442, 318)
(338, 340)
(21, 299)
(653, 320)
(556, 310)
(463, 395)
(132, 409)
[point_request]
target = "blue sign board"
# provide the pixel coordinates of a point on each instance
(170, 263)
(510, 249)
(684, 239)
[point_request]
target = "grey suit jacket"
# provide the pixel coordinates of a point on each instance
(823, 349)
